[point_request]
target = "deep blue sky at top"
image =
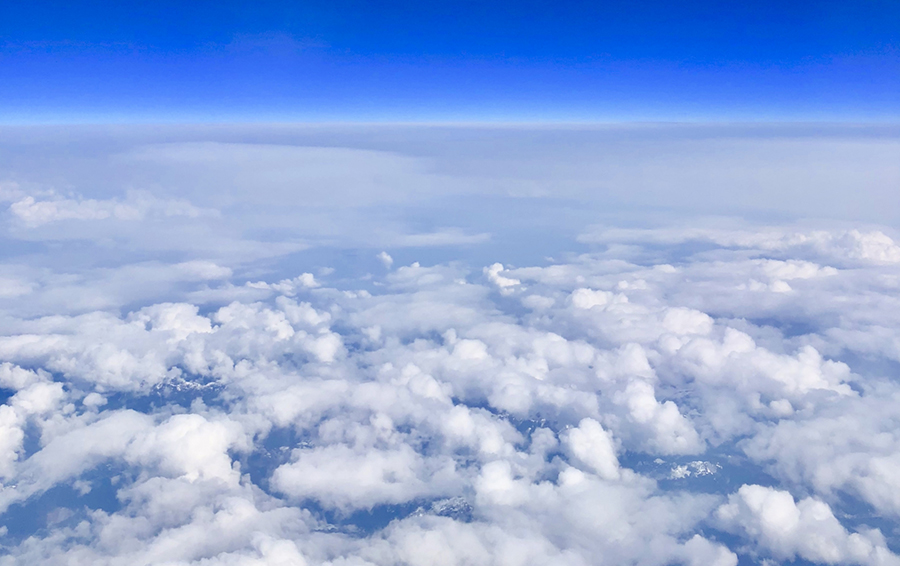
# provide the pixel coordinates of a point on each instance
(524, 60)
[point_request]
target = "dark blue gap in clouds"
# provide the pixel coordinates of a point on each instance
(178, 395)
(32, 441)
(854, 514)
(730, 470)
(362, 522)
(62, 505)
(270, 452)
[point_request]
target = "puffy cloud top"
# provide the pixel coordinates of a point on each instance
(584, 412)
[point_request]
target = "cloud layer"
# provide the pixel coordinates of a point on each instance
(632, 405)
(355, 346)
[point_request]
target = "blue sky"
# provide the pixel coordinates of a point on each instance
(449, 61)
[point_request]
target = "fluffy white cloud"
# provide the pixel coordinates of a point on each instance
(385, 259)
(807, 529)
(592, 446)
(53, 208)
(346, 478)
(853, 447)
(493, 275)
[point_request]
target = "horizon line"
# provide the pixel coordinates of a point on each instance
(490, 124)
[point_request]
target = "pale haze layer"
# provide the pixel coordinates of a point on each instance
(378, 345)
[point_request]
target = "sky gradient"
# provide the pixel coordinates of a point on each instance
(448, 62)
